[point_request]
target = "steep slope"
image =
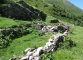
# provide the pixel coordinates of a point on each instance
(15, 43)
(21, 10)
(65, 4)
(61, 9)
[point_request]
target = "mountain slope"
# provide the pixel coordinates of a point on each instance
(21, 10)
(61, 9)
(16, 42)
(65, 4)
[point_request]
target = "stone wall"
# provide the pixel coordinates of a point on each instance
(50, 46)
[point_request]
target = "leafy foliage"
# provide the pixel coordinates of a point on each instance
(5, 40)
(67, 43)
(47, 56)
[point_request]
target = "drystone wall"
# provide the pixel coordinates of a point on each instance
(50, 46)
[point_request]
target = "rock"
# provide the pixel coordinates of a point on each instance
(29, 53)
(12, 59)
(7, 31)
(65, 33)
(54, 21)
(31, 58)
(50, 46)
(47, 29)
(23, 11)
(62, 27)
(29, 50)
(34, 58)
(38, 52)
(39, 26)
(44, 29)
(54, 29)
(24, 58)
(37, 58)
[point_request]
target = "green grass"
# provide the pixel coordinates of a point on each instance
(7, 22)
(41, 6)
(32, 40)
(17, 46)
(63, 10)
(74, 53)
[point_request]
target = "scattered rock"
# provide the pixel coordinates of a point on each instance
(24, 58)
(62, 27)
(39, 26)
(38, 52)
(8, 30)
(50, 46)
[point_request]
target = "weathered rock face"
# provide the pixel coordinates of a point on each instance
(9, 30)
(22, 11)
(62, 27)
(39, 26)
(51, 45)
(46, 29)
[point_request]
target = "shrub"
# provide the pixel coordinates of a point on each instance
(47, 56)
(19, 33)
(45, 5)
(41, 33)
(36, 5)
(67, 43)
(3, 43)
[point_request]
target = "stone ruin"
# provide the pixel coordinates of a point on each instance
(48, 28)
(50, 46)
(7, 31)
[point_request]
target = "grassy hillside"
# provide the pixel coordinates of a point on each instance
(62, 10)
(73, 53)
(33, 39)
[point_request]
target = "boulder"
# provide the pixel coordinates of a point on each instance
(62, 27)
(24, 58)
(29, 50)
(13, 59)
(31, 58)
(54, 21)
(23, 11)
(39, 26)
(34, 58)
(29, 53)
(38, 52)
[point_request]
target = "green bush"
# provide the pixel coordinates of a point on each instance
(3, 43)
(19, 33)
(36, 5)
(67, 43)
(45, 5)
(5, 40)
(47, 56)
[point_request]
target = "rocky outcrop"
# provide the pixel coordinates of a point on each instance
(23, 11)
(59, 27)
(39, 26)
(54, 21)
(51, 45)
(7, 31)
